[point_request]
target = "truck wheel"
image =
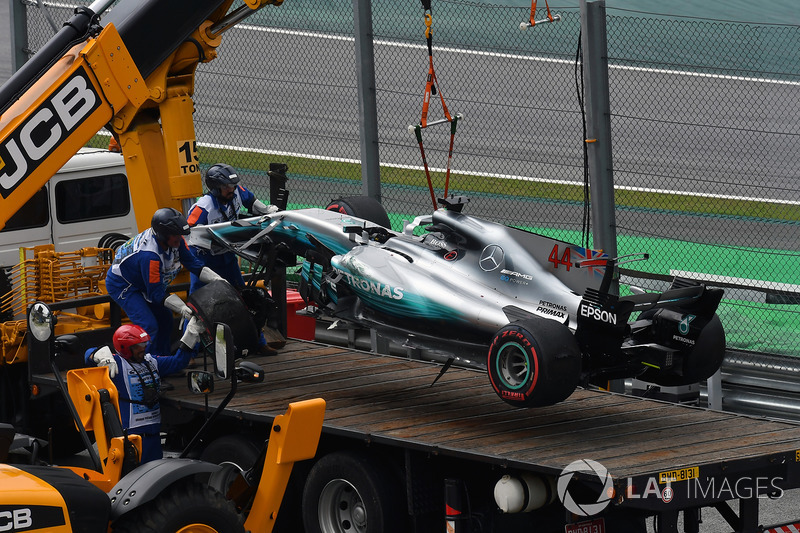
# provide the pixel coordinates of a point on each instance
(534, 362)
(235, 453)
(364, 207)
(187, 507)
(347, 492)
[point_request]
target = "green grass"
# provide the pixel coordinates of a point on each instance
(496, 186)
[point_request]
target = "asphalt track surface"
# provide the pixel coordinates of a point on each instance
(307, 105)
(310, 90)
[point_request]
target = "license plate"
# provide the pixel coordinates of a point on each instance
(598, 525)
(678, 475)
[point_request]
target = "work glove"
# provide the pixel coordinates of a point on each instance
(207, 276)
(104, 357)
(192, 333)
(174, 303)
(260, 208)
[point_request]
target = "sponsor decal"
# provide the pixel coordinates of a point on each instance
(383, 290)
(508, 279)
(685, 324)
(451, 255)
(684, 340)
(550, 312)
(45, 130)
(511, 273)
(596, 313)
(435, 242)
(552, 309)
(491, 258)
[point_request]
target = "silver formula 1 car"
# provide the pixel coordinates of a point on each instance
(541, 312)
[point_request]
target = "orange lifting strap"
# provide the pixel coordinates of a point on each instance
(533, 22)
(431, 88)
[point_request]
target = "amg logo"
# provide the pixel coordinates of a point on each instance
(595, 313)
(45, 129)
(683, 340)
(516, 274)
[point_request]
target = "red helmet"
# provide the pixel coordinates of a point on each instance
(127, 336)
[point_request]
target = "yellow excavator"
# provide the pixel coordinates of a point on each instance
(127, 67)
(169, 495)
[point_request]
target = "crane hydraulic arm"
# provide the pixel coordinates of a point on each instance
(133, 75)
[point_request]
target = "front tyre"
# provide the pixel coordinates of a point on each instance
(534, 363)
(347, 492)
(185, 508)
(364, 207)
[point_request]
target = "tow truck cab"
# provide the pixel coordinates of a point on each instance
(87, 203)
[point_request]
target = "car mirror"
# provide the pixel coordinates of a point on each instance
(200, 382)
(224, 350)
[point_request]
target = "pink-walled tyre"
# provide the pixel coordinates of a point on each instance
(534, 363)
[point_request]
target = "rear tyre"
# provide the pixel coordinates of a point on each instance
(187, 507)
(364, 207)
(701, 363)
(534, 362)
(347, 492)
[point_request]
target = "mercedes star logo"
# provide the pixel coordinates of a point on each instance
(491, 258)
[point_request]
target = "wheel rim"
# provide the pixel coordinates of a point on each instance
(197, 528)
(513, 365)
(341, 509)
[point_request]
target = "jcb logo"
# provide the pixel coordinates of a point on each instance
(30, 518)
(46, 128)
(15, 520)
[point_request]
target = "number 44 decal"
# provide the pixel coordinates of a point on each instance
(563, 259)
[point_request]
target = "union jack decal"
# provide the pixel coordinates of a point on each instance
(592, 260)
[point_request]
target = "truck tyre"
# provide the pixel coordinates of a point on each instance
(235, 453)
(701, 363)
(534, 363)
(186, 507)
(346, 492)
(364, 207)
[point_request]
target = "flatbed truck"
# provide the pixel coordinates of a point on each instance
(443, 453)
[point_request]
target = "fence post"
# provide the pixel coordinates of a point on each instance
(367, 106)
(598, 125)
(18, 34)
